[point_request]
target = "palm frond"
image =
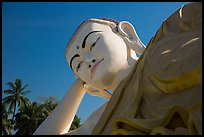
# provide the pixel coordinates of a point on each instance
(18, 83)
(9, 91)
(25, 117)
(24, 87)
(20, 102)
(11, 106)
(25, 92)
(11, 85)
(6, 127)
(8, 99)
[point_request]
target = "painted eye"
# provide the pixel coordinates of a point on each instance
(93, 45)
(78, 66)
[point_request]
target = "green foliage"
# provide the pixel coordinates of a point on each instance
(29, 115)
(6, 123)
(75, 123)
(27, 120)
(16, 96)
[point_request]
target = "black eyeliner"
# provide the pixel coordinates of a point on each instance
(76, 55)
(79, 66)
(94, 43)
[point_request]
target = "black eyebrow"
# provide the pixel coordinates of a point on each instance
(76, 55)
(84, 41)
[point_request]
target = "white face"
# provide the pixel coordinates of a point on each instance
(97, 55)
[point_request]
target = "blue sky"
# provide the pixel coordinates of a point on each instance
(35, 34)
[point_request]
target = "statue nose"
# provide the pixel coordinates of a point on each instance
(89, 59)
(92, 62)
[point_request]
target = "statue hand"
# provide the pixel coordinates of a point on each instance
(97, 92)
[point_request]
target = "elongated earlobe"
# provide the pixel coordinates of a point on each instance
(126, 29)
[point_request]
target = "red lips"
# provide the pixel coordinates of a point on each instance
(93, 68)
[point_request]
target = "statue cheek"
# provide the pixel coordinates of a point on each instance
(103, 52)
(83, 74)
(105, 80)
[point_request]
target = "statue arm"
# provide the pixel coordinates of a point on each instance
(59, 121)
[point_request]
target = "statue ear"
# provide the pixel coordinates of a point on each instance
(126, 29)
(128, 33)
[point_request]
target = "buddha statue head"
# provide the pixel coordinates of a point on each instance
(102, 52)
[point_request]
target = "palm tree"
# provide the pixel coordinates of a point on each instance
(6, 124)
(49, 102)
(16, 96)
(28, 120)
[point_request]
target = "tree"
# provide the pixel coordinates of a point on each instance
(75, 123)
(6, 124)
(29, 115)
(16, 96)
(28, 120)
(49, 103)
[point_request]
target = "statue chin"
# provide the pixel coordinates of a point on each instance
(102, 79)
(107, 77)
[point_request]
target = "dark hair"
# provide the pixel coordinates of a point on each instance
(106, 19)
(111, 20)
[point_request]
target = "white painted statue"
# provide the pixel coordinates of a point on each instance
(101, 53)
(158, 93)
